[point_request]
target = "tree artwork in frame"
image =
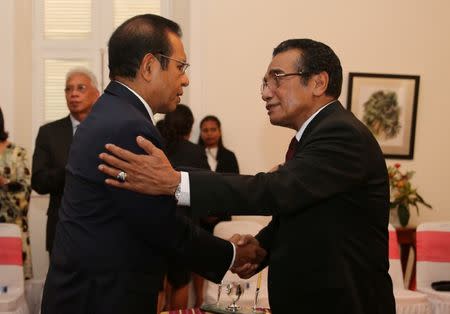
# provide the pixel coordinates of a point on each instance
(387, 105)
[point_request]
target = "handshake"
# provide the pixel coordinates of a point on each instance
(249, 255)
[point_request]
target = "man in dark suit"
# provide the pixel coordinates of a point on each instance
(328, 241)
(111, 246)
(53, 143)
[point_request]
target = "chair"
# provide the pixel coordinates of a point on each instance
(406, 301)
(11, 270)
(225, 230)
(433, 262)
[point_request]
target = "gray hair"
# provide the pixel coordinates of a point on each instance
(84, 71)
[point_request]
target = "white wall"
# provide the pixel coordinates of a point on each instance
(6, 58)
(230, 44)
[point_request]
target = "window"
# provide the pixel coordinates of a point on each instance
(72, 33)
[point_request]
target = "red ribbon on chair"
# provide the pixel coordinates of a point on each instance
(10, 251)
(433, 246)
(394, 251)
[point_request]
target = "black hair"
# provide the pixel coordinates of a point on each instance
(217, 121)
(137, 36)
(3, 133)
(315, 57)
(177, 124)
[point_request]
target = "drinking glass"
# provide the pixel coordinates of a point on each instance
(234, 290)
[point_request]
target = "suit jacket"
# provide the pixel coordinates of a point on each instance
(226, 161)
(112, 246)
(49, 162)
(186, 154)
(328, 241)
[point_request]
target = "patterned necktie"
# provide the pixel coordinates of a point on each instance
(291, 150)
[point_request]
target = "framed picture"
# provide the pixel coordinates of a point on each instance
(387, 104)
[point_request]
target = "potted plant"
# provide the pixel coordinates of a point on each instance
(403, 195)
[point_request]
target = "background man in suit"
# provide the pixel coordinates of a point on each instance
(53, 143)
(112, 246)
(328, 241)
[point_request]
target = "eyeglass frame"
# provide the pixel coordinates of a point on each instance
(81, 88)
(277, 77)
(183, 63)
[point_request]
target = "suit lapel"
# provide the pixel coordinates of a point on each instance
(67, 135)
(330, 109)
(67, 132)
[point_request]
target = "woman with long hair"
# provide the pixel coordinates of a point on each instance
(220, 159)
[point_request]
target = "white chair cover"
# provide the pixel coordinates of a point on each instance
(11, 270)
(225, 230)
(433, 262)
(33, 294)
(406, 301)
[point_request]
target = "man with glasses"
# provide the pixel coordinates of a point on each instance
(327, 243)
(53, 143)
(112, 246)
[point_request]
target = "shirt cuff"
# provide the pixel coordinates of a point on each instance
(184, 195)
(234, 255)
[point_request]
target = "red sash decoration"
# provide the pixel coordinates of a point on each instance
(11, 251)
(394, 251)
(433, 246)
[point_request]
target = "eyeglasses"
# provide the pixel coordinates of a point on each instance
(182, 65)
(273, 80)
(81, 88)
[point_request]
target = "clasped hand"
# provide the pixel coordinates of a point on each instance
(249, 255)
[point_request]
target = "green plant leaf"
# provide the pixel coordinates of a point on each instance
(403, 215)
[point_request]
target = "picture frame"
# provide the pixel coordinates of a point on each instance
(387, 105)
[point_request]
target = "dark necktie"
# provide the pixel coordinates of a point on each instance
(291, 150)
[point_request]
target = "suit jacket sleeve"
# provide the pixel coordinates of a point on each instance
(154, 220)
(46, 178)
(328, 163)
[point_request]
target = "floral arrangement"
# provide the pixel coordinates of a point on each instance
(403, 195)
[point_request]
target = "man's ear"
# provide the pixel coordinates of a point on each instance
(320, 83)
(148, 65)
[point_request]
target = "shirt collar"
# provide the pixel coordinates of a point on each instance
(146, 105)
(300, 132)
(75, 122)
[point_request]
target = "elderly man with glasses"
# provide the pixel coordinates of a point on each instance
(53, 142)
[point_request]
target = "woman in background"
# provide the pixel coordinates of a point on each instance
(176, 129)
(15, 191)
(221, 160)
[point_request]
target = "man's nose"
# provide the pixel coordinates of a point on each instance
(75, 93)
(185, 81)
(266, 93)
